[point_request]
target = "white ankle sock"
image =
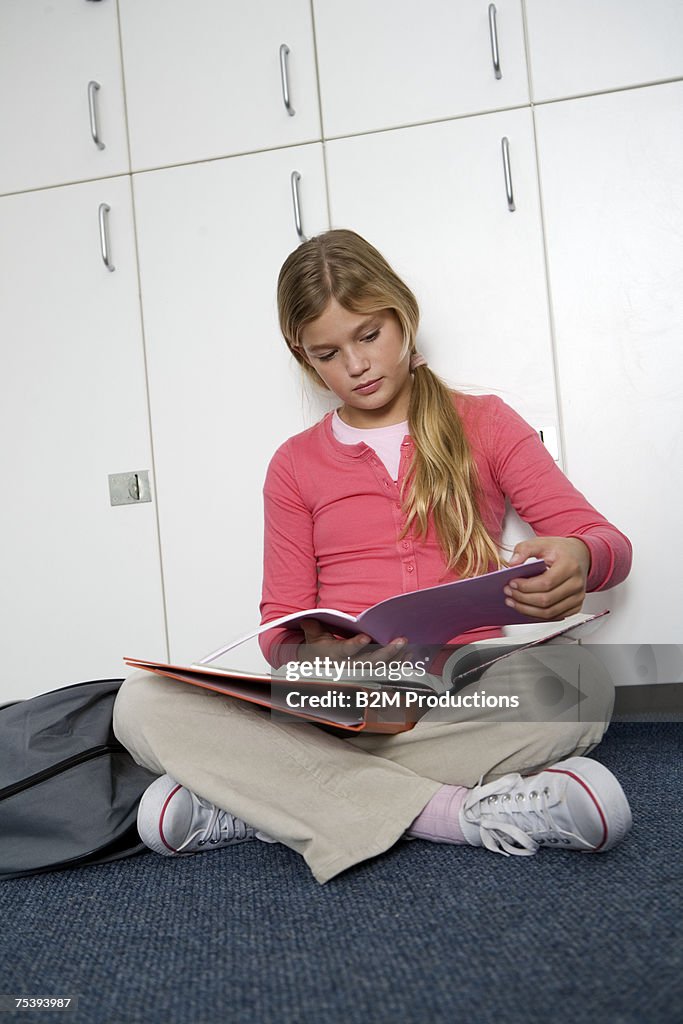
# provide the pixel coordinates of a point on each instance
(439, 820)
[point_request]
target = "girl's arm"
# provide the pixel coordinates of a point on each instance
(290, 580)
(584, 551)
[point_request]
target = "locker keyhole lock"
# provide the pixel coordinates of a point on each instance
(548, 435)
(129, 488)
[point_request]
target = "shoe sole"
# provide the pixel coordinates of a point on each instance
(607, 795)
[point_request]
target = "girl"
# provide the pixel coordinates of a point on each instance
(402, 487)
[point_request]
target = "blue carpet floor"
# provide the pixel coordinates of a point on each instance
(425, 933)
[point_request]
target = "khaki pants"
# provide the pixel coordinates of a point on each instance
(339, 799)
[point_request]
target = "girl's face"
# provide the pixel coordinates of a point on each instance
(358, 356)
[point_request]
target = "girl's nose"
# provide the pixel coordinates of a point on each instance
(356, 364)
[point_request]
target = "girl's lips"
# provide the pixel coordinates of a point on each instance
(369, 388)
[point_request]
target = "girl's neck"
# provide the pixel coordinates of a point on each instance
(369, 426)
(369, 419)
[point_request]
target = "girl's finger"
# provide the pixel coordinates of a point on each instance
(388, 651)
(355, 644)
(312, 628)
(546, 598)
(391, 649)
(558, 609)
(546, 581)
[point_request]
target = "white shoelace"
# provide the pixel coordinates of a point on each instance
(222, 827)
(502, 817)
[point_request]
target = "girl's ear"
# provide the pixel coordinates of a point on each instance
(299, 349)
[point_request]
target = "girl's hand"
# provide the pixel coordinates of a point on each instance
(561, 589)
(320, 643)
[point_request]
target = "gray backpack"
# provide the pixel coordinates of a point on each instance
(69, 791)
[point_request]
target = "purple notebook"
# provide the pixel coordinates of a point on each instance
(430, 616)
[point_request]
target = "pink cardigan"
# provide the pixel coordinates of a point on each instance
(333, 518)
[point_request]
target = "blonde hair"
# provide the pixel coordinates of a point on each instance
(442, 480)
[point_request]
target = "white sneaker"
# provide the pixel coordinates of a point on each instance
(575, 805)
(172, 820)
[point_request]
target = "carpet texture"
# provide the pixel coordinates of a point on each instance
(425, 933)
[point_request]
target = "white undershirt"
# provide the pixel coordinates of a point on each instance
(385, 441)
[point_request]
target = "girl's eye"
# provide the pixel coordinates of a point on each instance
(372, 336)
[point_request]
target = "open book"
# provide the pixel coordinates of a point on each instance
(356, 695)
(433, 615)
(352, 696)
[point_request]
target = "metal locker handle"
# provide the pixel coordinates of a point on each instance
(93, 88)
(284, 77)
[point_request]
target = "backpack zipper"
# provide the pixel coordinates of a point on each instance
(57, 769)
